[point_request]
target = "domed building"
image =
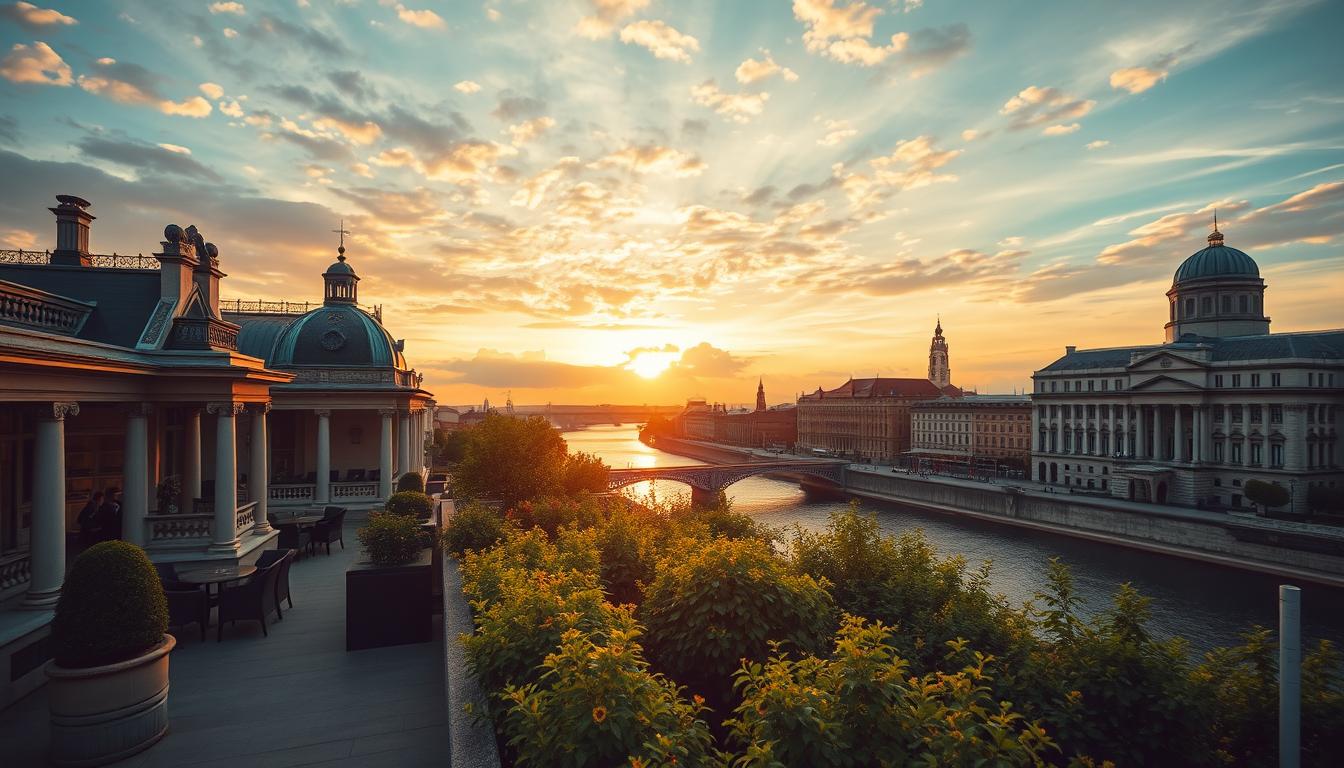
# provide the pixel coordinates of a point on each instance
(354, 416)
(1189, 422)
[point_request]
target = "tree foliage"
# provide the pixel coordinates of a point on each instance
(511, 459)
(112, 607)
(1267, 494)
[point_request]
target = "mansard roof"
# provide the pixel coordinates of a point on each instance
(1306, 345)
(885, 387)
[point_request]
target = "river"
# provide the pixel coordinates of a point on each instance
(1207, 604)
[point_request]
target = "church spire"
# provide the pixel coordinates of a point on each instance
(760, 394)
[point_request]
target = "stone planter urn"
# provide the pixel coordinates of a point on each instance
(103, 714)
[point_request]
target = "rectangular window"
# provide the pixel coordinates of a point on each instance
(1236, 453)
(1105, 385)
(1274, 379)
(1276, 454)
(1256, 449)
(1089, 385)
(1227, 304)
(1206, 305)
(1236, 379)
(1255, 414)
(1255, 379)
(1218, 451)
(1243, 303)
(1218, 380)
(1311, 379)
(1118, 384)
(1052, 386)
(1276, 414)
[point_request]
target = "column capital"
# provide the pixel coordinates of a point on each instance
(56, 411)
(263, 408)
(387, 412)
(225, 408)
(323, 412)
(142, 410)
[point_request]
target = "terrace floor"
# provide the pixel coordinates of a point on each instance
(294, 698)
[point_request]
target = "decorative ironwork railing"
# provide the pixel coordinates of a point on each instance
(252, 307)
(113, 260)
(15, 570)
(30, 308)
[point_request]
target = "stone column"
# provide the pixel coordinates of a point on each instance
(259, 474)
(1197, 433)
(135, 474)
(322, 493)
(1114, 446)
(48, 526)
(1141, 432)
(1295, 436)
(191, 464)
(1159, 435)
(226, 475)
(1178, 435)
(1059, 429)
(385, 454)
(404, 454)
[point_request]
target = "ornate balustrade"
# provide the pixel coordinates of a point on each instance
(364, 490)
(291, 493)
(28, 307)
(179, 530)
(16, 570)
(245, 518)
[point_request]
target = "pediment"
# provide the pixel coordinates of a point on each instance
(1163, 383)
(1164, 359)
(195, 307)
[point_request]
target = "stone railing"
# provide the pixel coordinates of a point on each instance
(364, 490)
(291, 493)
(30, 308)
(245, 517)
(179, 530)
(16, 570)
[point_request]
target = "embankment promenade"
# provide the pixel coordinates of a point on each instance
(1278, 547)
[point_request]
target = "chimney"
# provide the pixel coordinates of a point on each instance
(1069, 350)
(176, 263)
(206, 272)
(72, 231)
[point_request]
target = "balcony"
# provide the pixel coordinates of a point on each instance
(304, 494)
(34, 309)
(195, 530)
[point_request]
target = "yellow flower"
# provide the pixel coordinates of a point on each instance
(599, 714)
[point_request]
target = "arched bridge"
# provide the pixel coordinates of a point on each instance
(706, 480)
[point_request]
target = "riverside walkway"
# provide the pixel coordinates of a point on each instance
(294, 698)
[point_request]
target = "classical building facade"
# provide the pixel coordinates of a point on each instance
(125, 372)
(973, 427)
(864, 419)
(1190, 421)
(763, 427)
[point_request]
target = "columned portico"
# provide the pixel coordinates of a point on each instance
(322, 494)
(404, 447)
(226, 476)
(191, 462)
(385, 454)
(259, 470)
(135, 474)
(48, 527)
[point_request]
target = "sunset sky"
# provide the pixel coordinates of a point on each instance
(634, 201)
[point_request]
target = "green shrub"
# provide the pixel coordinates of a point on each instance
(902, 582)
(715, 602)
(584, 473)
(554, 512)
(533, 609)
(391, 539)
(628, 555)
(862, 707)
(411, 481)
(511, 459)
(412, 503)
(472, 526)
(112, 607)
(597, 704)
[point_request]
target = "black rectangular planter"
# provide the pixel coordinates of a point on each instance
(388, 606)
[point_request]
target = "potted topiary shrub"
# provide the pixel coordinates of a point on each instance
(388, 592)
(108, 679)
(412, 503)
(411, 481)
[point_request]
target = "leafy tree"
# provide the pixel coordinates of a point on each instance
(1266, 494)
(656, 427)
(715, 602)
(584, 473)
(448, 446)
(511, 459)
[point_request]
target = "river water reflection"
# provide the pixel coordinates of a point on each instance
(1207, 604)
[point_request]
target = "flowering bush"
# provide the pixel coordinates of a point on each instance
(862, 707)
(552, 513)
(597, 704)
(712, 605)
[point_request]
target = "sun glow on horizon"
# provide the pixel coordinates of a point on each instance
(649, 365)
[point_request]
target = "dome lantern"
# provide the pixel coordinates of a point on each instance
(342, 284)
(1217, 292)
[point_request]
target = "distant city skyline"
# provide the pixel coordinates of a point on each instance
(637, 201)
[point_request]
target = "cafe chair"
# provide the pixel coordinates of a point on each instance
(285, 557)
(187, 605)
(253, 600)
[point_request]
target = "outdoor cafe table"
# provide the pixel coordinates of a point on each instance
(302, 521)
(216, 575)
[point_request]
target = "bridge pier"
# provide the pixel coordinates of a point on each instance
(703, 498)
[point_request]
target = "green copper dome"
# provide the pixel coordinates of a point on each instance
(1217, 260)
(336, 335)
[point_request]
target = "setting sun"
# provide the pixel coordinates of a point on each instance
(650, 364)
